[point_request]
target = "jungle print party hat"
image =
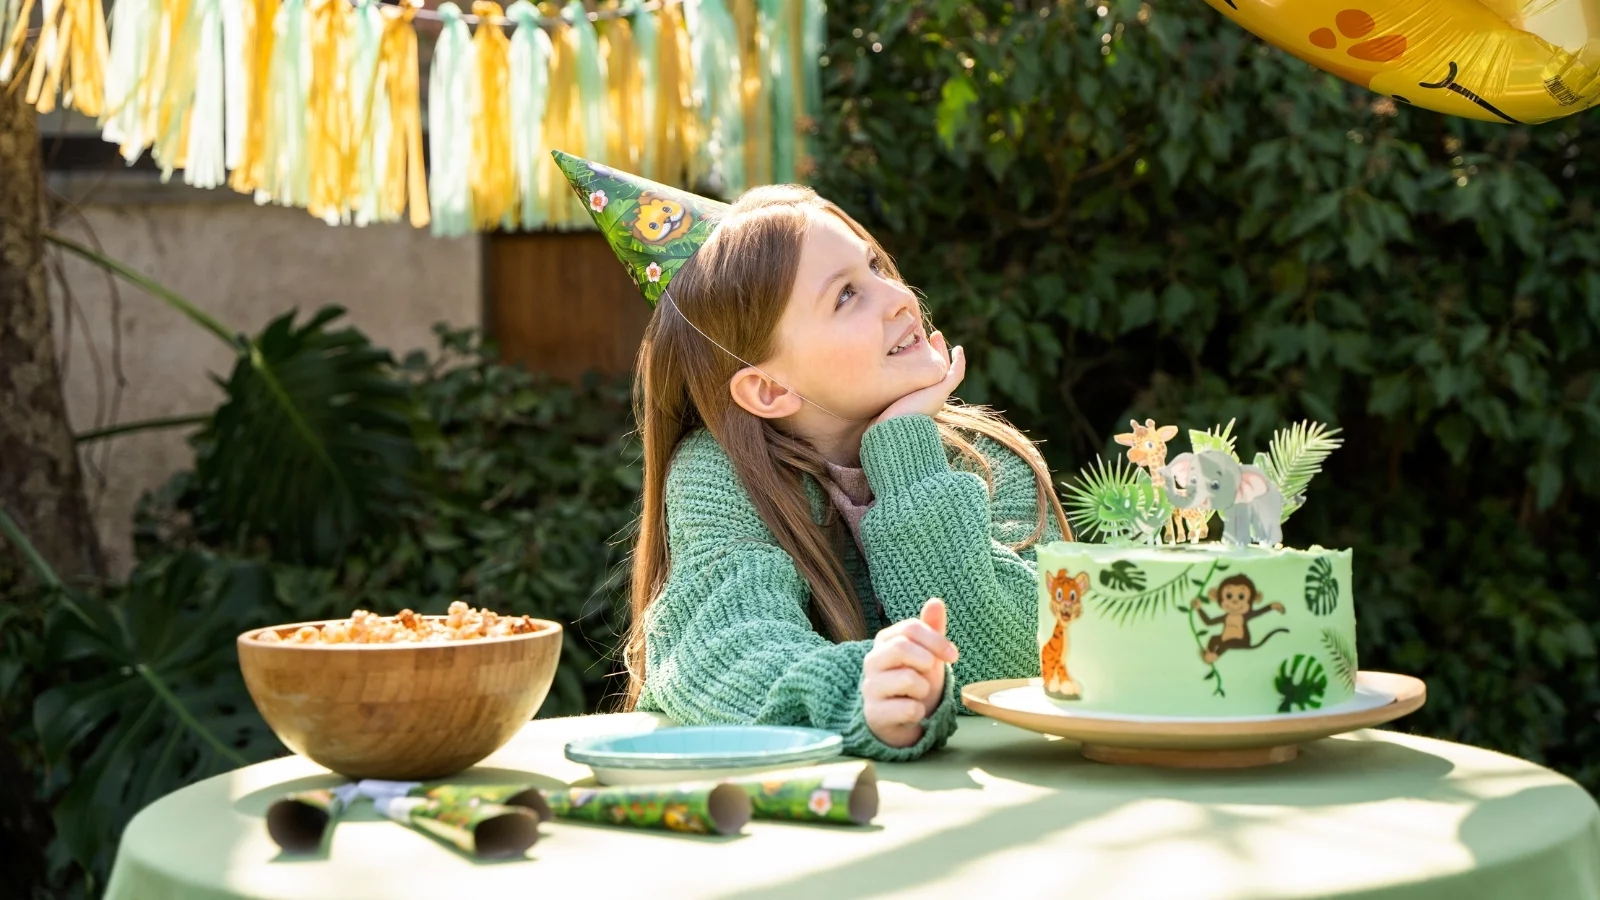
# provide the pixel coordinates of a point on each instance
(652, 228)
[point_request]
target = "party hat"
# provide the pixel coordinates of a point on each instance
(652, 228)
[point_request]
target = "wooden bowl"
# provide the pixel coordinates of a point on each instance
(404, 712)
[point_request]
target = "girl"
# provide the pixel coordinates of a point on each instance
(810, 490)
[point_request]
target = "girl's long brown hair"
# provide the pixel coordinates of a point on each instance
(735, 289)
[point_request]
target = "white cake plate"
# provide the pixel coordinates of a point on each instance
(1202, 743)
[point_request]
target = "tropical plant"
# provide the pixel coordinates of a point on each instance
(1294, 457)
(1218, 438)
(314, 447)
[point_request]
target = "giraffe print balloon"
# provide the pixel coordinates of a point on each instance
(1515, 61)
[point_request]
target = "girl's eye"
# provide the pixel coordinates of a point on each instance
(876, 265)
(845, 293)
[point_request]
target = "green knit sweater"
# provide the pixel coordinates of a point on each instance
(728, 640)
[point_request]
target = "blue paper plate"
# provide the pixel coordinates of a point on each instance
(700, 749)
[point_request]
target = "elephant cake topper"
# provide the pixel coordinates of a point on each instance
(1145, 497)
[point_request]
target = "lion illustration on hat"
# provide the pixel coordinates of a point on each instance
(661, 219)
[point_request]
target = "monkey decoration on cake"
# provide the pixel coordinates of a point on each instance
(1237, 595)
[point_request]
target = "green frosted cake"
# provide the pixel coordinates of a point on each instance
(1200, 630)
(1155, 620)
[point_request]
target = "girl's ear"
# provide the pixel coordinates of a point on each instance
(760, 396)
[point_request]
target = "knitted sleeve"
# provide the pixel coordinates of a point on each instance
(729, 641)
(934, 531)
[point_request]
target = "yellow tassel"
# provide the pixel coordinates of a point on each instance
(680, 124)
(48, 56)
(624, 82)
(71, 55)
(493, 179)
(405, 178)
(258, 37)
(330, 131)
(562, 129)
(170, 111)
(11, 61)
(753, 94)
(90, 51)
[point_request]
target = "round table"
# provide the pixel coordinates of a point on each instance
(1370, 814)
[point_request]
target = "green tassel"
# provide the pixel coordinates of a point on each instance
(450, 126)
(591, 81)
(814, 39)
(122, 122)
(714, 42)
(235, 90)
(647, 39)
(287, 175)
(775, 24)
(204, 162)
(370, 111)
(530, 85)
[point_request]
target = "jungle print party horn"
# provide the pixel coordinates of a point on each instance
(694, 808)
(299, 821)
(846, 793)
(520, 795)
(485, 830)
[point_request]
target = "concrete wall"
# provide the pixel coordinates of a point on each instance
(243, 264)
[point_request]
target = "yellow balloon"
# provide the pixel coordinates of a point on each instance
(1517, 61)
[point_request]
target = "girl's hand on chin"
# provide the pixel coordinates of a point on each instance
(931, 399)
(902, 677)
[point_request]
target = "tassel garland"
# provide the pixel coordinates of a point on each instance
(318, 103)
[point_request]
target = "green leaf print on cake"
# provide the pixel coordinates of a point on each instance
(1343, 657)
(1322, 587)
(1123, 576)
(1301, 682)
(1129, 607)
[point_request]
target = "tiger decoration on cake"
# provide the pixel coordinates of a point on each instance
(1066, 603)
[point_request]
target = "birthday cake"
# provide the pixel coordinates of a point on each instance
(1153, 619)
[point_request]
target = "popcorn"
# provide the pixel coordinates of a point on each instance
(461, 623)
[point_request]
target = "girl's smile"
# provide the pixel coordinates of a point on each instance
(851, 336)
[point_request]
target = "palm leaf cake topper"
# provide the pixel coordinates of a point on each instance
(1144, 498)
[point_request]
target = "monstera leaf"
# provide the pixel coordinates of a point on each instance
(1301, 682)
(142, 703)
(1322, 587)
(316, 442)
(314, 446)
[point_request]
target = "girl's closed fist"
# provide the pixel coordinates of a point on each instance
(902, 678)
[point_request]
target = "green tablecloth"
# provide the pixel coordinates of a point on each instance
(1371, 814)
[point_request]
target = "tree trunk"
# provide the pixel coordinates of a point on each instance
(41, 484)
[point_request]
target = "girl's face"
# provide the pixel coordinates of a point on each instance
(851, 338)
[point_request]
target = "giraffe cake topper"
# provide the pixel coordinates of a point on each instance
(1144, 619)
(652, 228)
(1148, 498)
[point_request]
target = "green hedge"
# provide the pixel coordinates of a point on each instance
(1149, 212)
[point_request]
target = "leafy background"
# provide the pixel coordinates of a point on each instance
(1119, 210)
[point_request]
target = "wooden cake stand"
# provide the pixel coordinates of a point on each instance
(1198, 743)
